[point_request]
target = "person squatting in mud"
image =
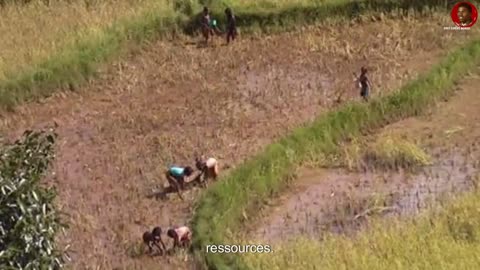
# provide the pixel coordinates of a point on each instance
(181, 235)
(231, 25)
(208, 167)
(364, 84)
(176, 177)
(152, 239)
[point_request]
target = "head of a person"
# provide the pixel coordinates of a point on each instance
(188, 171)
(364, 70)
(147, 236)
(156, 232)
(464, 13)
(205, 11)
(198, 163)
(228, 12)
(171, 233)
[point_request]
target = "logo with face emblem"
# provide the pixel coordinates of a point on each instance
(464, 14)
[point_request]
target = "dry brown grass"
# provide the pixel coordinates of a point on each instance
(33, 32)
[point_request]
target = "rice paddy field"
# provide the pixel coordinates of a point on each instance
(362, 217)
(130, 92)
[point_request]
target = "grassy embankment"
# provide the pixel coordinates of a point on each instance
(58, 46)
(225, 206)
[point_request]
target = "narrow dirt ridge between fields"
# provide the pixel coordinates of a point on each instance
(340, 200)
(162, 105)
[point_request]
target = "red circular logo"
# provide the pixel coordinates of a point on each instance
(464, 14)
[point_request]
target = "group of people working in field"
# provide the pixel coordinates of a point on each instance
(181, 235)
(177, 177)
(210, 28)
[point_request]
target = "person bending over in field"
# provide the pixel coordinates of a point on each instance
(152, 239)
(182, 236)
(364, 84)
(231, 25)
(208, 167)
(176, 177)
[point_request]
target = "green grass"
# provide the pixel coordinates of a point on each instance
(446, 239)
(220, 210)
(67, 67)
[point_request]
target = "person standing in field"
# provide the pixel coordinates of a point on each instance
(208, 25)
(364, 84)
(231, 25)
(207, 31)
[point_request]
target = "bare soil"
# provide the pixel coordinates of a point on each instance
(340, 200)
(168, 101)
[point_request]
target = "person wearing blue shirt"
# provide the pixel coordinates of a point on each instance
(176, 177)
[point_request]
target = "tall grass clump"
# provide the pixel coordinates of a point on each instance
(28, 219)
(393, 152)
(446, 239)
(223, 207)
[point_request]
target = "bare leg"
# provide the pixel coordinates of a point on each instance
(150, 249)
(173, 182)
(163, 245)
(206, 34)
(159, 248)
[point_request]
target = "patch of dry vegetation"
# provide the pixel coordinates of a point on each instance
(386, 151)
(33, 32)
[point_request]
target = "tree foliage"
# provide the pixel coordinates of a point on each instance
(28, 219)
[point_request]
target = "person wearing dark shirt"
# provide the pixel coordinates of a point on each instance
(364, 84)
(231, 25)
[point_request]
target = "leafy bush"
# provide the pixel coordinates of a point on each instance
(28, 219)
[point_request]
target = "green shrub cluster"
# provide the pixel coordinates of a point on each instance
(28, 219)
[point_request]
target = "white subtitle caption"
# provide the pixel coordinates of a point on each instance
(239, 249)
